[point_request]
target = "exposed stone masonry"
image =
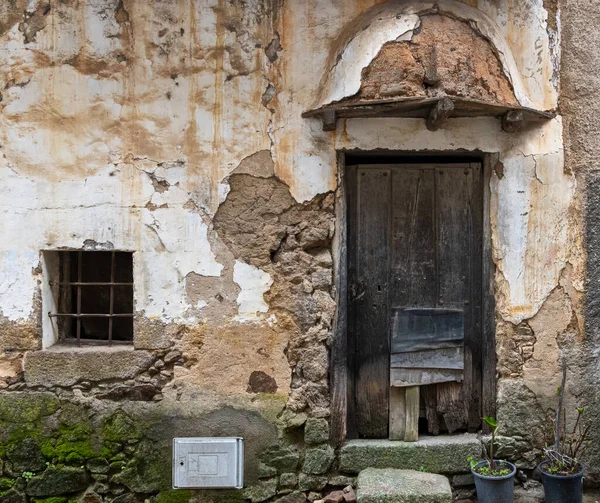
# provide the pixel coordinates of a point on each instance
(262, 224)
(515, 347)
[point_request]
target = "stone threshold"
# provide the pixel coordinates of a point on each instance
(396, 486)
(443, 454)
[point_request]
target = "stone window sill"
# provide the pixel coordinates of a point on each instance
(90, 347)
(65, 364)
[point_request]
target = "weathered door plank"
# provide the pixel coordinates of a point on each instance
(457, 256)
(353, 334)
(370, 297)
(413, 253)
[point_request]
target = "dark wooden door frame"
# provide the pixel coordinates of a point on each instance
(341, 377)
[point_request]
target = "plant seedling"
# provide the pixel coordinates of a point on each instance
(489, 469)
(567, 446)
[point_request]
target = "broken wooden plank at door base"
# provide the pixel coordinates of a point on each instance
(411, 433)
(419, 329)
(404, 413)
(397, 413)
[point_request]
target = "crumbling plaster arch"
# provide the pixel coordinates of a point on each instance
(363, 39)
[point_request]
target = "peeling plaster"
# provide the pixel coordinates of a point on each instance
(254, 283)
(345, 76)
(303, 154)
(180, 241)
(17, 283)
(533, 201)
(391, 23)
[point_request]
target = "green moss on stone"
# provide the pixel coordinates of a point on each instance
(262, 490)
(74, 445)
(12, 496)
(269, 405)
(73, 414)
(70, 444)
(119, 428)
(19, 432)
(6, 483)
(23, 447)
(148, 471)
(318, 460)
(58, 480)
(220, 496)
(174, 496)
(27, 441)
(27, 407)
(24, 439)
(316, 431)
(98, 465)
(284, 459)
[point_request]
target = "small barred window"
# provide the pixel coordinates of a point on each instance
(95, 296)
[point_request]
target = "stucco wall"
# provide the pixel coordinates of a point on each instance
(173, 129)
(580, 105)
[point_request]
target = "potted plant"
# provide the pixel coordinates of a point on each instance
(494, 479)
(562, 474)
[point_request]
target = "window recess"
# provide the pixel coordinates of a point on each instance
(94, 290)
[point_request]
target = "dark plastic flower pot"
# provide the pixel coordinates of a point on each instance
(562, 488)
(495, 489)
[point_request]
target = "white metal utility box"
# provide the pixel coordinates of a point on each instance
(208, 463)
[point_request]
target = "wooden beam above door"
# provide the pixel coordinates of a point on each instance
(435, 110)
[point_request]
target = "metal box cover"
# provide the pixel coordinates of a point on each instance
(208, 463)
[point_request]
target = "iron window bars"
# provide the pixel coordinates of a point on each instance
(80, 285)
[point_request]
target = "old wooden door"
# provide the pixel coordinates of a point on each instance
(414, 240)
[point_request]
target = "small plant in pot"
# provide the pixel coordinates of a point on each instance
(562, 474)
(494, 479)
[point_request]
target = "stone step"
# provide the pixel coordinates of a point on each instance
(402, 486)
(441, 454)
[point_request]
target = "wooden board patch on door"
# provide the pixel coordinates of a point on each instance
(426, 346)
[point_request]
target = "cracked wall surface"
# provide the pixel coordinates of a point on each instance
(443, 56)
(580, 105)
(173, 129)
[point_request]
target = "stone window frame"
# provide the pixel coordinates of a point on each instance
(66, 365)
(51, 333)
